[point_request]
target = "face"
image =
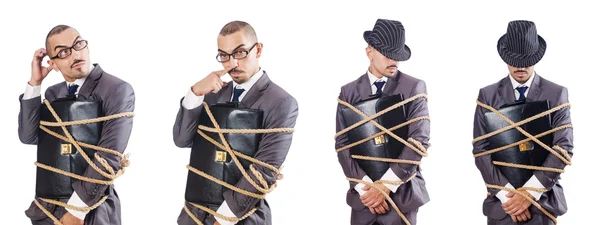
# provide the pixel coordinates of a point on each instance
(521, 75)
(239, 52)
(69, 54)
(381, 65)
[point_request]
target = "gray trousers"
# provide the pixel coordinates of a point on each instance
(365, 217)
(536, 219)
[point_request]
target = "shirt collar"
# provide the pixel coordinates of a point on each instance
(516, 84)
(373, 78)
(250, 82)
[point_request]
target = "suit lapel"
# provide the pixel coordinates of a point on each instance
(256, 90)
(536, 88)
(90, 83)
(392, 84)
(505, 90)
(364, 87)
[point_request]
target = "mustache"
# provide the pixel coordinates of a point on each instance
(76, 61)
(235, 70)
(522, 71)
(392, 66)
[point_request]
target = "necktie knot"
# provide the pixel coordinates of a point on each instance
(521, 91)
(236, 94)
(72, 89)
(379, 85)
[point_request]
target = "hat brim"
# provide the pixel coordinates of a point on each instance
(402, 55)
(518, 60)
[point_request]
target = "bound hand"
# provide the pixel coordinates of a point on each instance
(38, 72)
(211, 83)
(380, 209)
(373, 197)
(69, 219)
(517, 204)
(526, 215)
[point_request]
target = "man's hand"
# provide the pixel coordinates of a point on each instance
(217, 223)
(373, 197)
(380, 209)
(526, 215)
(211, 83)
(69, 219)
(517, 204)
(38, 72)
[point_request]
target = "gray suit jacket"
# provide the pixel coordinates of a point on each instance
(413, 194)
(501, 93)
(117, 96)
(280, 110)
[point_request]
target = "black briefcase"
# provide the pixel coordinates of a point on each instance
(529, 153)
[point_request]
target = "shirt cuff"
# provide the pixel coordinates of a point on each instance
(32, 91)
(76, 201)
(534, 183)
(191, 100)
(359, 186)
(391, 176)
(502, 193)
(225, 211)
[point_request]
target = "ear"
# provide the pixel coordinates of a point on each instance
(52, 65)
(259, 48)
(369, 52)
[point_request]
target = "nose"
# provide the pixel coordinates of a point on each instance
(233, 63)
(75, 54)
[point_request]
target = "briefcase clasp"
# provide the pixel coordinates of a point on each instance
(221, 156)
(525, 146)
(380, 139)
(66, 149)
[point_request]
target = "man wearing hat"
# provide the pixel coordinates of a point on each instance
(521, 48)
(386, 48)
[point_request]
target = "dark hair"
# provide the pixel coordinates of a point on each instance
(55, 30)
(235, 26)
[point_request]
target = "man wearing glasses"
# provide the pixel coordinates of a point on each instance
(84, 81)
(251, 88)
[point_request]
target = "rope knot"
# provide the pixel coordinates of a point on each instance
(125, 161)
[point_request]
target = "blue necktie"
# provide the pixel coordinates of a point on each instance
(236, 94)
(379, 85)
(521, 91)
(72, 89)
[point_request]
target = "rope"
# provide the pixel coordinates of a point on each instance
(111, 175)
(413, 145)
(263, 188)
(554, 150)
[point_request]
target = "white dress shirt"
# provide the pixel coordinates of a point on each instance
(191, 101)
(533, 181)
(35, 91)
(389, 174)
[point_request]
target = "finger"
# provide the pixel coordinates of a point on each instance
(528, 214)
(514, 219)
(372, 210)
(386, 206)
(224, 71)
(522, 217)
(366, 188)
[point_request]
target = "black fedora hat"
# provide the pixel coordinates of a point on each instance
(388, 38)
(521, 46)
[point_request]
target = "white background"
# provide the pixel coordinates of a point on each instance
(311, 49)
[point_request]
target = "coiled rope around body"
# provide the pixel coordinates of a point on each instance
(263, 188)
(564, 157)
(413, 145)
(111, 175)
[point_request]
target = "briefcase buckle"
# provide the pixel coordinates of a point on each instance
(221, 156)
(380, 139)
(525, 146)
(66, 149)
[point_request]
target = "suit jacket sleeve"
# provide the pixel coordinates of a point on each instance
(563, 138)
(349, 165)
(418, 130)
(115, 136)
(186, 125)
(489, 172)
(29, 119)
(272, 150)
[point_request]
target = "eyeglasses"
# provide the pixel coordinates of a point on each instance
(66, 52)
(239, 54)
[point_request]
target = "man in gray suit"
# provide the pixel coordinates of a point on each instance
(521, 48)
(385, 50)
(69, 54)
(239, 52)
